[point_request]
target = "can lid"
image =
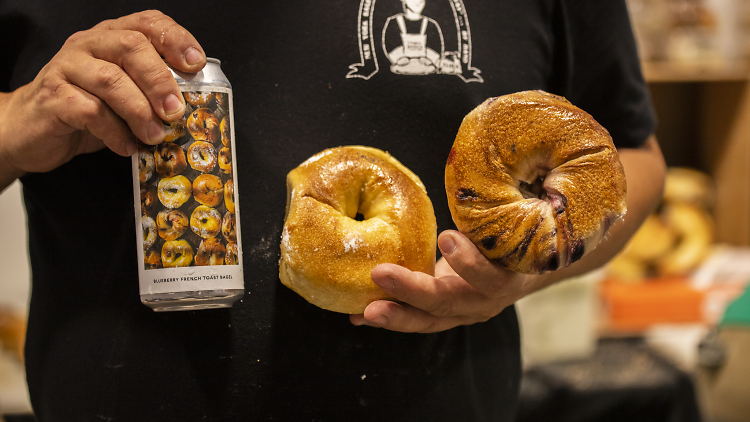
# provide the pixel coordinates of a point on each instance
(213, 60)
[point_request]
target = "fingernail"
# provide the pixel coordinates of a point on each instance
(156, 132)
(193, 56)
(131, 148)
(447, 244)
(172, 105)
(387, 283)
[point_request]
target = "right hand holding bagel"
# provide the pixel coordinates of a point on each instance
(106, 86)
(467, 288)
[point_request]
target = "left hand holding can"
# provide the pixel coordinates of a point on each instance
(104, 86)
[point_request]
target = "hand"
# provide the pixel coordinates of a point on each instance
(467, 288)
(105, 87)
(478, 290)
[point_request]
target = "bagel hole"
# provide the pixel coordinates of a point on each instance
(534, 189)
(359, 217)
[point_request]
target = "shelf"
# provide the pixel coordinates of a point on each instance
(704, 122)
(709, 71)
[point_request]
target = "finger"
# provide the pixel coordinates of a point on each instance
(442, 268)
(136, 43)
(403, 317)
(489, 279)
(133, 52)
(175, 43)
(114, 86)
(441, 297)
(86, 112)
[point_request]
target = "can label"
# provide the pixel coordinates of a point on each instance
(186, 202)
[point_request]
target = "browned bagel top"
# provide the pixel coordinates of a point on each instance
(532, 174)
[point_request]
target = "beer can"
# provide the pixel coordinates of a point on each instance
(186, 207)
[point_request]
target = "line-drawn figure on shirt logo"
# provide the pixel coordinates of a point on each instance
(413, 42)
(414, 55)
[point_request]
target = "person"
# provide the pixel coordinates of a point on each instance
(408, 51)
(85, 82)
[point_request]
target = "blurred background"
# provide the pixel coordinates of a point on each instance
(663, 332)
(660, 334)
(14, 295)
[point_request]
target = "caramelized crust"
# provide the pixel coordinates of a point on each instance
(176, 253)
(534, 181)
(169, 160)
(203, 125)
(210, 252)
(348, 210)
(173, 192)
(175, 130)
(202, 156)
(229, 195)
(171, 224)
(208, 189)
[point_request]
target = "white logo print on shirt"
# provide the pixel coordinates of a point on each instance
(414, 43)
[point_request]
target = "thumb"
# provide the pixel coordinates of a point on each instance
(468, 262)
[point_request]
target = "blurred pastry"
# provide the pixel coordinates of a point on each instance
(688, 186)
(694, 227)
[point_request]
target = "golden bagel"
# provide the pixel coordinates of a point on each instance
(348, 210)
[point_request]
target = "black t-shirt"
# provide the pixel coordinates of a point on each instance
(306, 76)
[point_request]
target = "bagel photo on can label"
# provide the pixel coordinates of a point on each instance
(349, 209)
(534, 181)
(186, 191)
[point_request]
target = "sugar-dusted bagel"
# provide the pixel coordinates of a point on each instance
(534, 181)
(348, 210)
